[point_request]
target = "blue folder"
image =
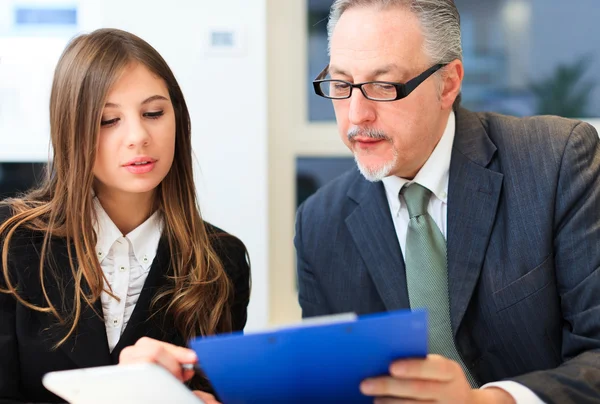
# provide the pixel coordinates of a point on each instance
(310, 364)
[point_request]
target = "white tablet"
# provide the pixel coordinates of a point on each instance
(122, 384)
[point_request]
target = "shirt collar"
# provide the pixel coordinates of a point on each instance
(144, 239)
(433, 175)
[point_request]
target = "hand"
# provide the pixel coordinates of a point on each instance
(206, 397)
(170, 357)
(435, 379)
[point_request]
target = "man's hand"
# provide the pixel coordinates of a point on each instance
(435, 379)
(170, 357)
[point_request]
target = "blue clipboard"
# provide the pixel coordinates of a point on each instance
(313, 363)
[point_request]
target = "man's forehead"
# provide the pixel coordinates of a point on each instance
(369, 39)
(371, 62)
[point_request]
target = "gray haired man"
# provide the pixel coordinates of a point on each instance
(490, 222)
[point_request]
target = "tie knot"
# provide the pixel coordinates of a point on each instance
(417, 199)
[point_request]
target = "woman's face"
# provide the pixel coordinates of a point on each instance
(136, 142)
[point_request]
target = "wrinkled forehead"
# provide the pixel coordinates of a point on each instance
(367, 39)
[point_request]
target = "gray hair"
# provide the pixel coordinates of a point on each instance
(439, 20)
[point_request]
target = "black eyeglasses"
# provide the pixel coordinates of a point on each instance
(372, 90)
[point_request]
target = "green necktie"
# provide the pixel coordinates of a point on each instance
(427, 274)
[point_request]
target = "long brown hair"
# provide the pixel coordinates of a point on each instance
(199, 293)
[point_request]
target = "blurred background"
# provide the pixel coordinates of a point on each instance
(263, 141)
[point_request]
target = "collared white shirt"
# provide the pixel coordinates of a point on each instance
(434, 176)
(125, 261)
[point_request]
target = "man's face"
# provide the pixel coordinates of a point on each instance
(387, 138)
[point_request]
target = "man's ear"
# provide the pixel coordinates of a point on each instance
(452, 77)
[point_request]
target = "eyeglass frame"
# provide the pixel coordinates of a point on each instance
(402, 89)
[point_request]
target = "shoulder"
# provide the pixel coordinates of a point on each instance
(329, 198)
(535, 130)
(5, 213)
(230, 249)
(22, 234)
(539, 141)
(222, 241)
(23, 247)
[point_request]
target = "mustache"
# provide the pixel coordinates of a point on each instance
(375, 134)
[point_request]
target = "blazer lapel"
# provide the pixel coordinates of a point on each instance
(473, 193)
(88, 346)
(142, 324)
(373, 232)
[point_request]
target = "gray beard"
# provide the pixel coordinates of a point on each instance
(379, 173)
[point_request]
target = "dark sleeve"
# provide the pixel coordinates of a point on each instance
(311, 299)
(239, 270)
(234, 257)
(577, 263)
(9, 352)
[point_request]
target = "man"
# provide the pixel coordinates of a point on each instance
(490, 222)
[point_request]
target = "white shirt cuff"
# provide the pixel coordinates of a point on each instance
(520, 393)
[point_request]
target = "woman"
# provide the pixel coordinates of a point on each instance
(112, 247)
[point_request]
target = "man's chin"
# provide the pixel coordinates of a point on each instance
(375, 172)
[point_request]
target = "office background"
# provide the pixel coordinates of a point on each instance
(263, 141)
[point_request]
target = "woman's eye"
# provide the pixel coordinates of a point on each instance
(154, 115)
(108, 122)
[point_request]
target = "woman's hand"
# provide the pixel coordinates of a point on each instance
(170, 357)
(206, 397)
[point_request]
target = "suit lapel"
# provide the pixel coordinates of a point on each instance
(373, 232)
(88, 346)
(473, 193)
(141, 324)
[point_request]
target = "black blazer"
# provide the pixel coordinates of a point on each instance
(27, 336)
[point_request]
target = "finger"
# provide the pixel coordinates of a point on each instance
(155, 354)
(413, 389)
(206, 397)
(187, 374)
(170, 362)
(434, 367)
(126, 355)
(132, 355)
(181, 354)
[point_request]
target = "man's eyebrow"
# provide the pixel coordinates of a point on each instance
(337, 70)
(376, 73)
(388, 69)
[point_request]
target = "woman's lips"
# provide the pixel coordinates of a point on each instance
(140, 168)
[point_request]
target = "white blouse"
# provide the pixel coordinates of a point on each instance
(125, 261)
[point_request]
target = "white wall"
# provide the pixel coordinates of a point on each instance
(226, 96)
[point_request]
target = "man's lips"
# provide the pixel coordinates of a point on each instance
(366, 140)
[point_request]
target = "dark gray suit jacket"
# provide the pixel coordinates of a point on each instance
(523, 252)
